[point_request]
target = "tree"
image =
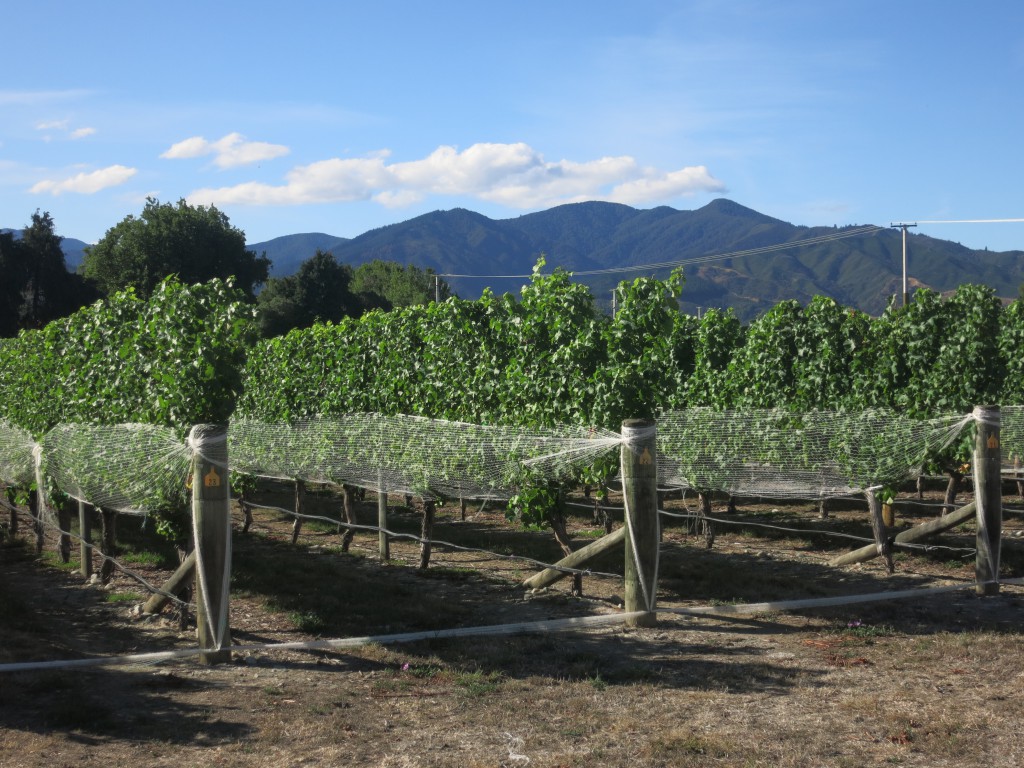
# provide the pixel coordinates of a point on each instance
(319, 291)
(195, 243)
(13, 276)
(35, 285)
(401, 286)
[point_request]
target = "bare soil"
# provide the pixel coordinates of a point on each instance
(929, 681)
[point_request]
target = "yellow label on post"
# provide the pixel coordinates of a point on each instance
(211, 479)
(645, 457)
(993, 441)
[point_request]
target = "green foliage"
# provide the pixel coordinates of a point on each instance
(173, 360)
(320, 291)
(195, 243)
(35, 286)
(718, 337)
(649, 351)
(400, 285)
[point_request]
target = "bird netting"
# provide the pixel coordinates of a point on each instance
(17, 465)
(780, 454)
(408, 454)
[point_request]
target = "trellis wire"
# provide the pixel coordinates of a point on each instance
(419, 540)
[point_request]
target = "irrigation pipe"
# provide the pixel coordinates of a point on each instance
(493, 630)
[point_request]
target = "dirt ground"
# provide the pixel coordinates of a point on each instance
(928, 681)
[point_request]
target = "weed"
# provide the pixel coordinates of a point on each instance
(597, 682)
(123, 597)
(307, 621)
(479, 683)
(154, 559)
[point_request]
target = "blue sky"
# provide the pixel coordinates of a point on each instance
(343, 117)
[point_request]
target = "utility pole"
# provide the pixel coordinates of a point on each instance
(906, 293)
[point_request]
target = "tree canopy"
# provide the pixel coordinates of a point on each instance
(401, 285)
(195, 243)
(320, 291)
(35, 285)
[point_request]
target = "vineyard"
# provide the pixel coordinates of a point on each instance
(514, 409)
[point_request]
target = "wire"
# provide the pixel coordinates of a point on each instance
(970, 221)
(865, 230)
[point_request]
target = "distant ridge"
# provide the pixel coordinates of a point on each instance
(862, 272)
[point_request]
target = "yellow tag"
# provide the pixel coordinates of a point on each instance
(645, 457)
(211, 479)
(993, 442)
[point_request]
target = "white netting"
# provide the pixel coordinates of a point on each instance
(17, 466)
(414, 455)
(129, 468)
(140, 469)
(1011, 434)
(778, 454)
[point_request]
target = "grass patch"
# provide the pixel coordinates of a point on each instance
(308, 621)
(123, 597)
(479, 683)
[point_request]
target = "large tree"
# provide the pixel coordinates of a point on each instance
(195, 243)
(321, 290)
(35, 285)
(401, 285)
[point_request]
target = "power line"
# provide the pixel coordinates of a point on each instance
(858, 231)
(971, 221)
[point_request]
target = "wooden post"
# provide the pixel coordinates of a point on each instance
(640, 493)
(383, 542)
(918, 532)
(108, 526)
(85, 536)
(14, 513)
(879, 528)
(349, 513)
(300, 497)
(64, 524)
(426, 531)
(211, 516)
(177, 582)
(988, 497)
(576, 559)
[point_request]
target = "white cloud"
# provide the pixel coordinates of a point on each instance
(656, 185)
(52, 125)
(86, 183)
(230, 151)
(515, 175)
(64, 127)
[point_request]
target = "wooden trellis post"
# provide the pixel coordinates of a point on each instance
(85, 535)
(988, 497)
(643, 526)
(211, 513)
(383, 542)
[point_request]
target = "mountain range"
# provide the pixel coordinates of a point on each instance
(859, 270)
(859, 267)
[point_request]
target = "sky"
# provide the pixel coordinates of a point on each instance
(345, 117)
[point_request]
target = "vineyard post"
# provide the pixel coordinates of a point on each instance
(85, 538)
(383, 543)
(988, 495)
(640, 493)
(211, 513)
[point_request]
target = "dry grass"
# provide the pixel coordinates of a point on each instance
(929, 682)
